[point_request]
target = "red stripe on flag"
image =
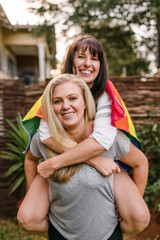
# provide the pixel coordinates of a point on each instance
(117, 110)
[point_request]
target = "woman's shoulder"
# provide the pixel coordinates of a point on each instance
(35, 137)
(37, 148)
(104, 99)
(35, 141)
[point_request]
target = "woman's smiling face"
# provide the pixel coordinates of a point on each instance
(86, 65)
(69, 105)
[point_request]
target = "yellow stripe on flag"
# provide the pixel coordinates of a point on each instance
(33, 111)
(131, 126)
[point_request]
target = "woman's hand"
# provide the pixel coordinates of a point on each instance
(45, 169)
(105, 166)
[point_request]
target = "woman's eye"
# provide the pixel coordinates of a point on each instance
(95, 58)
(56, 102)
(73, 98)
(80, 56)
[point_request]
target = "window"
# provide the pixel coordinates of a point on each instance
(10, 67)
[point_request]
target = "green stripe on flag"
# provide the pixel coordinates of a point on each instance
(31, 125)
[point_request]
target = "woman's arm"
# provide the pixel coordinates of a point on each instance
(30, 167)
(82, 152)
(34, 208)
(104, 165)
(136, 159)
(101, 139)
(131, 206)
(46, 137)
(32, 214)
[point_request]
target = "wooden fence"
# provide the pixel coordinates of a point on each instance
(140, 94)
(14, 97)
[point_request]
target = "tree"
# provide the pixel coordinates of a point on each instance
(49, 32)
(144, 13)
(119, 49)
(93, 17)
(128, 14)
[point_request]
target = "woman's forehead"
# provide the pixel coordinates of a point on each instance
(68, 85)
(67, 88)
(84, 47)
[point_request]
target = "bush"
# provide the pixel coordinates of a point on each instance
(18, 140)
(149, 135)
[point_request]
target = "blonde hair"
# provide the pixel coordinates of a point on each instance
(60, 135)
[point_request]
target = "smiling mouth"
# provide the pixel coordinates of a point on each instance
(86, 72)
(67, 114)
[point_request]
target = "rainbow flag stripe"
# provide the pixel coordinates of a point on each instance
(32, 119)
(120, 117)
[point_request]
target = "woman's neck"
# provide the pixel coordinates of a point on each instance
(81, 132)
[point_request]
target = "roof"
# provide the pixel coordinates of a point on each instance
(4, 21)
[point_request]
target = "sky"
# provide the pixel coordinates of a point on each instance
(16, 11)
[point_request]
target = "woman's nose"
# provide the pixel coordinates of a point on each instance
(66, 104)
(87, 61)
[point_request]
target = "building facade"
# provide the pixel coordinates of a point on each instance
(22, 55)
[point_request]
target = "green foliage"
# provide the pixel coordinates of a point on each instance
(118, 46)
(149, 135)
(49, 32)
(141, 13)
(18, 140)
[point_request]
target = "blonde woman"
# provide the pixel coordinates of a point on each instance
(82, 201)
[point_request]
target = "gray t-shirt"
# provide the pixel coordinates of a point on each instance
(84, 207)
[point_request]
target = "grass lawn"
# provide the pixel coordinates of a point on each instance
(9, 230)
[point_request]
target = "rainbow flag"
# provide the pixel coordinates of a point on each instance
(120, 117)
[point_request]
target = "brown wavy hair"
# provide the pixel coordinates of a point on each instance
(95, 48)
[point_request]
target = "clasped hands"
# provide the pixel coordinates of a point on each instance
(45, 168)
(105, 166)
